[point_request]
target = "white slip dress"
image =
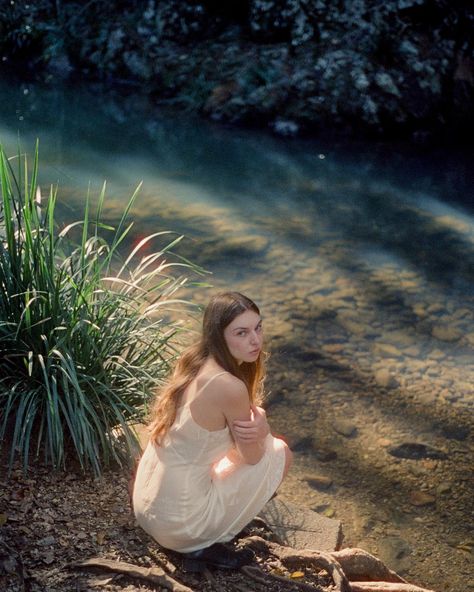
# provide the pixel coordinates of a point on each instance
(188, 495)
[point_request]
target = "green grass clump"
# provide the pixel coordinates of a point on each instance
(85, 337)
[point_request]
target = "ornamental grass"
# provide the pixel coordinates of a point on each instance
(86, 334)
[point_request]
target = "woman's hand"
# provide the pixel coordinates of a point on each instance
(255, 429)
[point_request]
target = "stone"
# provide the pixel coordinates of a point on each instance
(344, 427)
(353, 326)
(319, 482)
(302, 528)
(444, 487)
(324, 454)
(388, 351)
(302, 444)
(455, 432)
(444, 333)
(394, 552)
(413, 351)
(435, 308)
(240, 246)
(416, 451)
(333, 348)
(384, 379)
(421, 498)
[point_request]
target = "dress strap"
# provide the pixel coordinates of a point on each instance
(211, 379)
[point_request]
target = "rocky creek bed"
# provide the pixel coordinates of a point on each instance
(371, 374)
(371, 378)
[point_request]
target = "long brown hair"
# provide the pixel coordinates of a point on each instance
(222, 309)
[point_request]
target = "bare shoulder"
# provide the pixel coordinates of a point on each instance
(229, 390)
(230, 383)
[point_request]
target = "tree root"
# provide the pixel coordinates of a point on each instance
(347, 567)
(386, 587)
(352, 570)
(358, 565)
(291, 557)
(256, 574)
(151, 574)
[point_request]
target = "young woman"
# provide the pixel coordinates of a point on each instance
(211, 463)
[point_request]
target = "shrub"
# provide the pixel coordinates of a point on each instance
(84, 336)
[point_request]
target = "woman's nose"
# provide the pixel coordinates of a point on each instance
(254, 337)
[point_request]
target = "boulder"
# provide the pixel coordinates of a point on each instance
(301, 527)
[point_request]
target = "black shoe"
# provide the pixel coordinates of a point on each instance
(217, 555)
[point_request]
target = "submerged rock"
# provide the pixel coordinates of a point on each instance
(344, 427)
(395, 552)
(455, 432)
(421, 498)
(385, 379)
(448, 334)
(416, 451)
(319, 482)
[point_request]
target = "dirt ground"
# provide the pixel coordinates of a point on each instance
(49, 521)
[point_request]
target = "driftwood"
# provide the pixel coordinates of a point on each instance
(347, 567)
(154, 575)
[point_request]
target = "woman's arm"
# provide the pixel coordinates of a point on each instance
(253, 430)
(236, 408)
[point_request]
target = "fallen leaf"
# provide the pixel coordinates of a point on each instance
(297, 574)
(3, 519)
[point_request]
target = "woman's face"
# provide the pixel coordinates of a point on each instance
(244, 336)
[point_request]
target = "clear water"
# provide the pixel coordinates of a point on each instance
(361, 256)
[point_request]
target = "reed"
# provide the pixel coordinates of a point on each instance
(85, 335)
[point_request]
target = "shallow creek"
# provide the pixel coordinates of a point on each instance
(361, 257)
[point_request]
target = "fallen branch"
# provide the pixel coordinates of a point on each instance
(154, 575)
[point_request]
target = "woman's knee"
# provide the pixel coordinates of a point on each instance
(288, 456)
